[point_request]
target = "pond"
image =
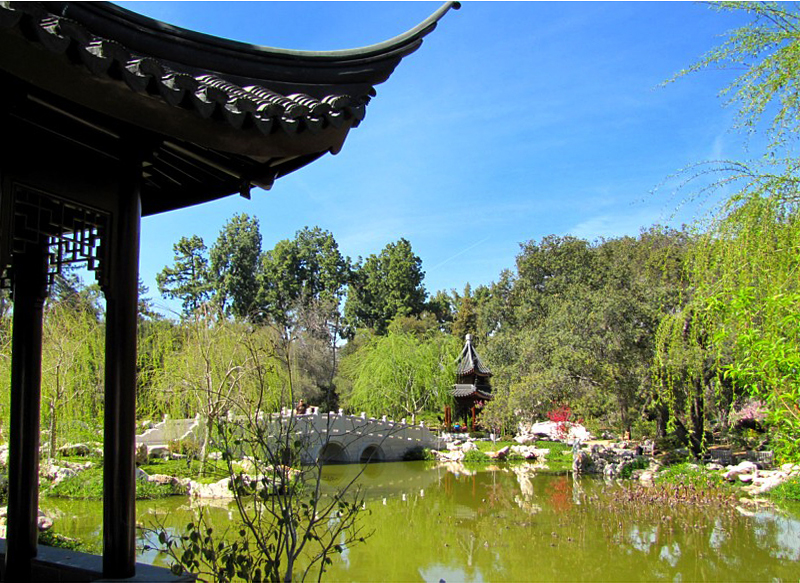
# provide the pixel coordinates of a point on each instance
(513, 523)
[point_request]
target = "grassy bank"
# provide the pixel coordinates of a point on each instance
(88, 485)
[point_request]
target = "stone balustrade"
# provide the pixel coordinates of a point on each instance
(334, 437)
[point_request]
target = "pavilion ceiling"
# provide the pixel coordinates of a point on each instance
(214, 117)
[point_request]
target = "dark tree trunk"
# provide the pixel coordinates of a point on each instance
(698, 422)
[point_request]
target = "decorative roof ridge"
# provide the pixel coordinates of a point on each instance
(152, 26)
(238, 61)
(244, 85)
(208, 94)
(469, 362)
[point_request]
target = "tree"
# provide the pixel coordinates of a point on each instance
(401, 374)
(743, 272)
(289, 527)
(234, 266)
(466, 318)
(188, 278)
(577, 323)
(302, 283)
(214, 369)
(72, 370)
(385, 286)
(766, 50)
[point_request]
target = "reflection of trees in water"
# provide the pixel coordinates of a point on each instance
(704, 541)
(559, 494)
(472, 525)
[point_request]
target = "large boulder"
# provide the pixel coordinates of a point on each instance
(141, 454)
(530, 453)
(551, 431)
(582, 463)
(736, 471)
(217, 490)
(500, 454)
(75, 449)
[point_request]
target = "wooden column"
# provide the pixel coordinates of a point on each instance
(119, 487)
(30, 290)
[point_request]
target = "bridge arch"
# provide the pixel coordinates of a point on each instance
(372, 453)
(333, 453)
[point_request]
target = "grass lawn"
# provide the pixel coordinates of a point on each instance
(559, 458)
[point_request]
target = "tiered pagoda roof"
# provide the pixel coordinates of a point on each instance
(472, 375)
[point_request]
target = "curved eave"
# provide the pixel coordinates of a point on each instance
(241, 61)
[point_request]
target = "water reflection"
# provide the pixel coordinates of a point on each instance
(516, 523)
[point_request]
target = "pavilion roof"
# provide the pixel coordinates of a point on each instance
(462, 390)
(469, 362)
(218, 116)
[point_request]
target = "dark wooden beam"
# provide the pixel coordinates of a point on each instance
(30, 289)
(119, 486)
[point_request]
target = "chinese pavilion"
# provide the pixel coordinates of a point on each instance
(106, 117)
(472, 388)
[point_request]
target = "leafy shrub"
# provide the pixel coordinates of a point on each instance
(185, 447)
(475, 455)
(49, 538)
(640, 463)
(562, 417)
(690, 474)
(789, 490)
(418, 453)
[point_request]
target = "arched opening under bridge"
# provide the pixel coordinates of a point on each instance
(371, 454)
(333, 453)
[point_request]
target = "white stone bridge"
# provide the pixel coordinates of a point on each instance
(332, 437)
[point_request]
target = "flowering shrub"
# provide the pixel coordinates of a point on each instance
(562, 417)
(751, 415)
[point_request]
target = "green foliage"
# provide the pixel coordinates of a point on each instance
(189, 279)
(72, 370)
(687, 473)
(187, 468)
(49, 538)
(639, 463)
(418, 454)
(766, 52)
(476, 456)
(401, 374)
(234, 266)
(301, 276)
(387, 285)
(789, 490)
(578, 326)
(88, 485)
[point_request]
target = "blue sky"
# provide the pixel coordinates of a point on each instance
(511, 122)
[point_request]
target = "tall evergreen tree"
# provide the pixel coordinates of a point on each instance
(386, 285)
(188, 278)
(234, 266)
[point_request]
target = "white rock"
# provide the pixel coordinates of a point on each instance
(217, 490)
(157, 451)
(468, 446)
(742, 468)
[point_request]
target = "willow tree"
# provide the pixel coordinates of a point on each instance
(744, 270)
(401, 374)
(72, 371)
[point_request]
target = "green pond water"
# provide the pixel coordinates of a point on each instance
(515, 524)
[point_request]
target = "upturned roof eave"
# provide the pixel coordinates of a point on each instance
(195, 50)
